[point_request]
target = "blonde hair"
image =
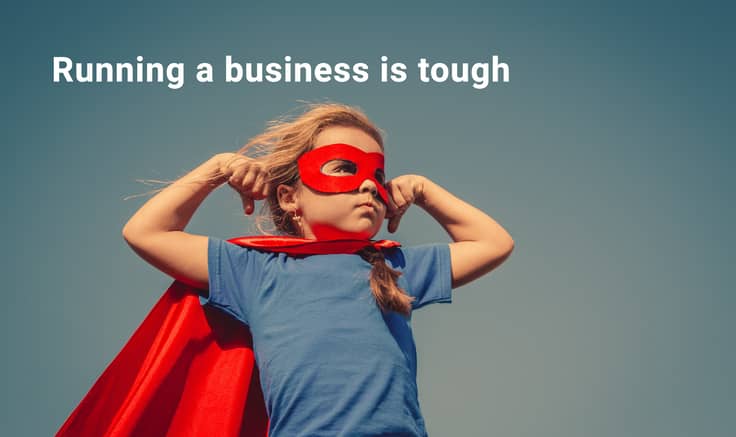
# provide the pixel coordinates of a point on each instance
(284, 141)
(280, 145)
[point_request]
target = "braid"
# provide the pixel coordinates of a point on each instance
(387, 293)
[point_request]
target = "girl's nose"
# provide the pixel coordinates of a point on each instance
(369, 185)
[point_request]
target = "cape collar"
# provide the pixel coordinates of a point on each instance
(303, 246)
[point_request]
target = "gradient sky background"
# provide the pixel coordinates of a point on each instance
(606, 157)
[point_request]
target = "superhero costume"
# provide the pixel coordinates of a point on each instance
(362, 165)
(189, 369)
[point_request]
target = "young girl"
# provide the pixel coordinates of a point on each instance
(331, 332)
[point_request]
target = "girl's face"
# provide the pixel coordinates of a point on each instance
(356, 214)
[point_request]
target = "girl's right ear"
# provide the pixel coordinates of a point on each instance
(287, 197)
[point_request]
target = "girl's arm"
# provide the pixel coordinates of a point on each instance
(155, 232)
(480, 243)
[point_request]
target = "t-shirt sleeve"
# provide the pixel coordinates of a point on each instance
(426, 271)
(235, 274)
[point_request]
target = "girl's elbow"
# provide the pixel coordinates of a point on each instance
(499, 252)
(126, 233)
(504, 243)
(133, 231)
(500, 246)
(133, 237)
(129, 233)
(509, 246)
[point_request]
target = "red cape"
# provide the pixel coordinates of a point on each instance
(188, 369)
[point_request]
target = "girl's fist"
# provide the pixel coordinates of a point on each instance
(403, 191)
(247, 176)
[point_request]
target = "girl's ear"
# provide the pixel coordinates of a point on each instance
(287, 197)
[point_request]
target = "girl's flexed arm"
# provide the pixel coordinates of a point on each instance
(480, 243)
(155, 232)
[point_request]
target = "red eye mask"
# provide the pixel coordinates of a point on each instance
(358, 166)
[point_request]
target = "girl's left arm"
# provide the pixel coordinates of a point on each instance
(480, 243)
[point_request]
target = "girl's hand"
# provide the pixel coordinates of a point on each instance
(245, 175)
(403, 191)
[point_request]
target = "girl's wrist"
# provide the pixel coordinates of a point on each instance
(420, 190)
(210, 172)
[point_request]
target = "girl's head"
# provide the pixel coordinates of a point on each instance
(319, 215)
(298, 209)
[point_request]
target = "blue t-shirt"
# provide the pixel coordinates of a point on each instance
(330, 362)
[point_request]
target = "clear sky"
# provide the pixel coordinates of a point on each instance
(606, 157)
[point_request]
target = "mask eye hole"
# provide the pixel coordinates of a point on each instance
(339, 167)
(380, 176)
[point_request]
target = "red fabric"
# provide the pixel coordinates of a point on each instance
(367, 165)
(188, 370)
(302, 246)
